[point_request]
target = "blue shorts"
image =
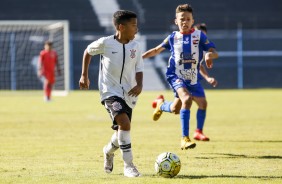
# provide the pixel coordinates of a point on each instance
(195, 90)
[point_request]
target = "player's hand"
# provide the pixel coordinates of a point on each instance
(84, 82)
(212, 81)
(209, 59)
(135, 91)
(39, 73)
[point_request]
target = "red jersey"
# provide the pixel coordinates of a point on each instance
(48, 60)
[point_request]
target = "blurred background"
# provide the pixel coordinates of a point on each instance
(247, 34)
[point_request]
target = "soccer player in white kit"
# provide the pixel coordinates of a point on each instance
(120, 83)
(186, 47)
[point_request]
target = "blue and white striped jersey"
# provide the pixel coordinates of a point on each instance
(186, 54)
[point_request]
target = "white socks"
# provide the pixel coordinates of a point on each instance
(125, 146)
(121, 139)
(113, 145)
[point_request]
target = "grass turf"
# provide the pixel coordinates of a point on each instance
(62, 141)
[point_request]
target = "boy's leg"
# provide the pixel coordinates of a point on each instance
(124, 141)
(200, 99)
(47, 90)
(121, 115)
(165, 106)
(108, 151)
(185, 118)
(199, 135)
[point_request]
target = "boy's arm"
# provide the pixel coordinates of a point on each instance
(153, 52)
(204, 72)
(212, 81)
(210, 55)
(39, 66)
(84, 80)
(138, 88)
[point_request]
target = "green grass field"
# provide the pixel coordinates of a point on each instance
(62, 141)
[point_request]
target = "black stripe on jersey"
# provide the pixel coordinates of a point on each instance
(122, 63)
(101, 65)
(122, 66)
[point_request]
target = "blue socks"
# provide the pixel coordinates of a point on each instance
(166, 106)
(184, 120)
(201, 116)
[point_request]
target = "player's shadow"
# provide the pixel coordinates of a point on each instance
(225, 176)
(229, 155)
(259, 141)
(253, 141)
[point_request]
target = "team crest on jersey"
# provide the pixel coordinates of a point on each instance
(117, 106)
(207, 41)
(132, 53)
(186, 41)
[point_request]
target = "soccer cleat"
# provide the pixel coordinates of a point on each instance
(46, 99)
(108, 161)
(158, 112)
(198, 135)
(154, 103)
(131, 171)
(186, 143)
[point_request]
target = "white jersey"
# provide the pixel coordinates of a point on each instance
(118, 67)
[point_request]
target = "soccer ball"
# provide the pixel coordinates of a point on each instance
(167, 165)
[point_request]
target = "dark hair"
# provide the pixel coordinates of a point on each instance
(48, 43)
(184, 8)
(123, 16)
(202, 27)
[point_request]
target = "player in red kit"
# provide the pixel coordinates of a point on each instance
(48, 60)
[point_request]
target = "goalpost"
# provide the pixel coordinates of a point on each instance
(20, 45)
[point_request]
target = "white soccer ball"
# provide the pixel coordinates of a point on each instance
(167, 165)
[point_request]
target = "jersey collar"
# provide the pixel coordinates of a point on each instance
(186, 33)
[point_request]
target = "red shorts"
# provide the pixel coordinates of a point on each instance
(50, 78)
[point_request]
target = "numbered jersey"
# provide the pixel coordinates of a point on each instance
(186, 54)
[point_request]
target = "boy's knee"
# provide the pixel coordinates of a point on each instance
(203, 105)
(175, 110)
(124, 126)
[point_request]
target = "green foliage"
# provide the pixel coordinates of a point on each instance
(62, 141)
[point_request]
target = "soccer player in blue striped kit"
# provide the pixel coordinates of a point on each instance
(186, 47)
(200, 101)
(120, 83)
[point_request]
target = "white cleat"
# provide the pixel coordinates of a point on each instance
(131, 171)
(108, 161)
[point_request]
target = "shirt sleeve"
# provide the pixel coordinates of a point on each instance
(165, 43)
(205, 43)
(139, 64)
(96, 47)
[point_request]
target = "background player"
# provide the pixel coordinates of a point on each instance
(120, 82)
(48, 61)
(186, 46)
(201, 101)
